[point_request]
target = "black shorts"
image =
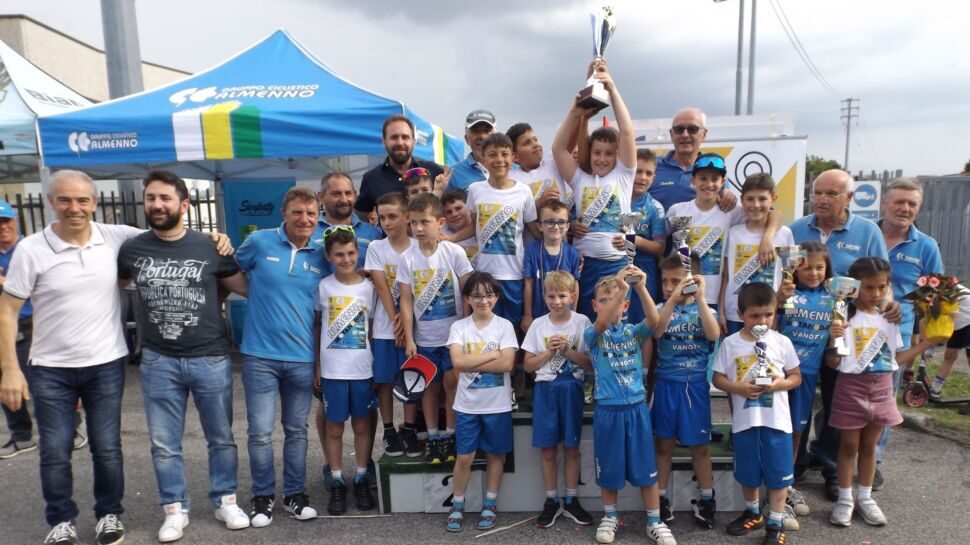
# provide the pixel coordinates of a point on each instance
(960, 338)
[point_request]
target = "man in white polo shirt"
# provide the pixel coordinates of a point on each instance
(70, 273)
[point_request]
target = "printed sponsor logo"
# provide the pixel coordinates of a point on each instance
(196, 95)
(81, 141)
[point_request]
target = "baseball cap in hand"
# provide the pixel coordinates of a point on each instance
(415, 375)
(7, 211)
(480, 116)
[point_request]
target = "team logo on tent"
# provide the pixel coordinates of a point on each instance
(194, 94)
(78, 142)
(413, 378)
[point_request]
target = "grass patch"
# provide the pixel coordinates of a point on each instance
(956, 385)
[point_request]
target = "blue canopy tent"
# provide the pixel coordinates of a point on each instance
(273, 111)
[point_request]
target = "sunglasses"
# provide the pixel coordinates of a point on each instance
(336, 229)
(709, 161)
(690, 129)
(417, 171)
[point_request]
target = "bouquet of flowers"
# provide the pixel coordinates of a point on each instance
(935, 298)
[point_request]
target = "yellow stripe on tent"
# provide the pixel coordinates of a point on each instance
(438, 145)
(217, 131)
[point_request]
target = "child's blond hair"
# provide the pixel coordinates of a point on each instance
(559, 281)
(609, 284)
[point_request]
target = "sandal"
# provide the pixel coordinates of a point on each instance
(456, 520)
(488, 518)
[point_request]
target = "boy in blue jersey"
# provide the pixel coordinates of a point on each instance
(652, 231)
(551, 253)
(622, 437)
(681, 409)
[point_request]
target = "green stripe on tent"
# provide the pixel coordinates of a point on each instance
(247, 138)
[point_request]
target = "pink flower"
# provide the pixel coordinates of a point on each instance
(928, 298)
(921, 281)
(954, 281)
(934, 282)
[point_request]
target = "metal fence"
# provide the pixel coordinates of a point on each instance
(945, 216)
(125, 207)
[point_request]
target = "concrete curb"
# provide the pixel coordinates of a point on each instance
(924, 424)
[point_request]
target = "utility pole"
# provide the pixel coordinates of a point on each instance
(850, 110)
(738, 76)
(754, 21)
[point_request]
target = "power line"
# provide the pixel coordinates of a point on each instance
(799, 49)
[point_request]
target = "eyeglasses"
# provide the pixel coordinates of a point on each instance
(336, 229)
(561, 224)
(690, 129)
(416, 171)
(709, 161)
(478, 297)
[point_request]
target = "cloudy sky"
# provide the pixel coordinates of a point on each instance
(525, 60)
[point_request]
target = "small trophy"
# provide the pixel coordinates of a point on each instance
(604, 24)
(791, 258)
(761, 377)
(680, 232)
(629, 222)
(842, 288)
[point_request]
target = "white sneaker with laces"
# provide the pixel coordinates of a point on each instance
(842, 513)
(176, 519)
(607, 530)
(797, 502)
(230, 513)
(61, 533)
(660, 534)
(788, 520)
(870, 511)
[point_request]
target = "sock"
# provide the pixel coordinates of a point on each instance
(388, 427)
(653, 517)
(491, 498)
(937, 384)
(663, 492)
(448, 432)
(570, 495)
(359, 473)
(410, 426)
(753, 506)
(458, 502)
(707, 493)
(774, 519)
(433, 434)
(610, 511)
(863, 492)
(337, 475)
(551, 494)
(845, 494)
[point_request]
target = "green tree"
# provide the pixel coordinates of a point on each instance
(815, 165)
(966, 168)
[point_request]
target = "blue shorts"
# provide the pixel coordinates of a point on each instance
(557, 413)
(733, 327)
(801, 400)
(509, 305)
(763, 455)
(682, 411)
(440, 356)
(594, 270)
(623, 446)
(388, 360)
(490, 432)
(343, 399)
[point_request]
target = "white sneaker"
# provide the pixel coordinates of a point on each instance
(661, 534)
(607, 530)
(842, 513)
(788, 520)
(176, 519)
(871, 513)
(797, 502)
(230, 513)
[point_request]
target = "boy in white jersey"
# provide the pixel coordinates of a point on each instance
(458, 217)
(501, 209)
(761, 421)
(345, 304)
(383, 260)
(709, 224)
(742, 265)
(537, 169)
(431, 275)
(603, 195)
(556, 353)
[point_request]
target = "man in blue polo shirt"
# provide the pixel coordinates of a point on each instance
(338, 197)
(284, 266)
(911, 254)
(478, 125)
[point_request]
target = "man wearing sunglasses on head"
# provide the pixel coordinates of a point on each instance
(672, 181)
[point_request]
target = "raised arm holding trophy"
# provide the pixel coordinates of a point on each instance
(595, 96)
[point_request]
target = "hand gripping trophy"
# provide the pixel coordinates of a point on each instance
(680, 232)
(791, 258)
(629, 222)
(760, 368)
(594, 95)
(842, 288)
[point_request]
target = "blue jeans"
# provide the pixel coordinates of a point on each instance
(262, 380)
(56, 391)
(884, 438)
(166, 383)
(825, 447)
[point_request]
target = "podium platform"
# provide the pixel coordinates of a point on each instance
(408, 485)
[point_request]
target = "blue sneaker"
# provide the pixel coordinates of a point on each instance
(327, 477)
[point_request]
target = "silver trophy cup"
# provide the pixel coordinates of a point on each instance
(761, 376)
(595, 95)
(791, 258)
(680, 232)
(629, 222)
(842, 288)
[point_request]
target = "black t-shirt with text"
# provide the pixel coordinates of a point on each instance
(178, 285)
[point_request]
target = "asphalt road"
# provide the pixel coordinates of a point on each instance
(927, 499)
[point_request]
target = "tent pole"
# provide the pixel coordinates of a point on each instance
(220, 201)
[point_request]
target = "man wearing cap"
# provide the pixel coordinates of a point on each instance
(398, 140)
(671, 184)
(478, 125)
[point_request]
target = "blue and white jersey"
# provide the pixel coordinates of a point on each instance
(283, 282)
(683, 349)
(808, 326)
(912, 258)
(618, 362)
(652, 227)
(858, 237)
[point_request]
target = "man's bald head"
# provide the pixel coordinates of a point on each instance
(690, 114)
(831, 193)
(62, 177)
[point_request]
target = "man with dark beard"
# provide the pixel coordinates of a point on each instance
(398, 139)
(178, 276)
(337, 196)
